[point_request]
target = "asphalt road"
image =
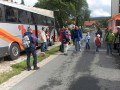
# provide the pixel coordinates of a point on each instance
(85, 70)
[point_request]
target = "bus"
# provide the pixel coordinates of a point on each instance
(14, 20)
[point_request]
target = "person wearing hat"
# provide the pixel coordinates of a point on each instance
(31, 49)
(97, 42)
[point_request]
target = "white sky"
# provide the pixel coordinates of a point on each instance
(98, 7)
(27, 2)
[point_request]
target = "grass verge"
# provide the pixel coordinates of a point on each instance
(19, 67)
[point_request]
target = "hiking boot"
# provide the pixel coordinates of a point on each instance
(36, 68)
(28, 69)
(65, 54)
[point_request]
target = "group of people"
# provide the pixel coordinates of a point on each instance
(109, 40)
(64, 39)
(42, 39)
(76, 36)
(65, 36)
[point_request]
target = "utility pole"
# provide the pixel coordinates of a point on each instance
(22, 2)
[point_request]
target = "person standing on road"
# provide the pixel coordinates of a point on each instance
(110, 38)
(87, 40)
(97, 42)
(99, 31)
(77, 36)
(65, 40)
(60, 39)
(72, 34)
(31, 49)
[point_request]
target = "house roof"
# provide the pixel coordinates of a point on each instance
(116, 17)
(89, 23)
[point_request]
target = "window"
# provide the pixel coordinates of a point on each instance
(36, 18)
(33, 18)
(50, 21)
(117, 22)
(22, 16)
(44, 20)
(29, 18)
(41, 20)
(11, 14)
(119, 6)
(2, 13)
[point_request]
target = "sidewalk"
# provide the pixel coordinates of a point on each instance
(14, 80)
(5, 66)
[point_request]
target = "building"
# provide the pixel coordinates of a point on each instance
(89, 23)
(115, 7)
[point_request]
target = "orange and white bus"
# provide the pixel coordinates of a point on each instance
(14, 20)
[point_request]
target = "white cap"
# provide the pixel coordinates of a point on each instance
(98, 35)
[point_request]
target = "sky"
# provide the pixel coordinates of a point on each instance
(98, 8)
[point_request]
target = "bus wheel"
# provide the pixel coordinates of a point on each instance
(14, 51)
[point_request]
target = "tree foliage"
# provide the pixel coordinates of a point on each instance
(64, 8)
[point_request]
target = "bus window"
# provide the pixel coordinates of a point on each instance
(52, 21)
(41, 20)
(22, 15)
(36, 18)
(30, 21)
(44, 20)
(49, 22)
(33, 18)
(0, 14)
(11, 14)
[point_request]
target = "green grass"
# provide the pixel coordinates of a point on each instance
(19, 67)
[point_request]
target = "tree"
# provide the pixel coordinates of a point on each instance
(64, 8)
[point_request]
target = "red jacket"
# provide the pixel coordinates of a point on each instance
(97, 41)
(60, 36)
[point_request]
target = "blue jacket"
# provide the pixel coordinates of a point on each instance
(78, 35)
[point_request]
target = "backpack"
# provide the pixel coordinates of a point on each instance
(65, 37)
(26, 41)
(110, 38)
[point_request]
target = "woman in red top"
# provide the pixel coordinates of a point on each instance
(97, 42)
(60, 38)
